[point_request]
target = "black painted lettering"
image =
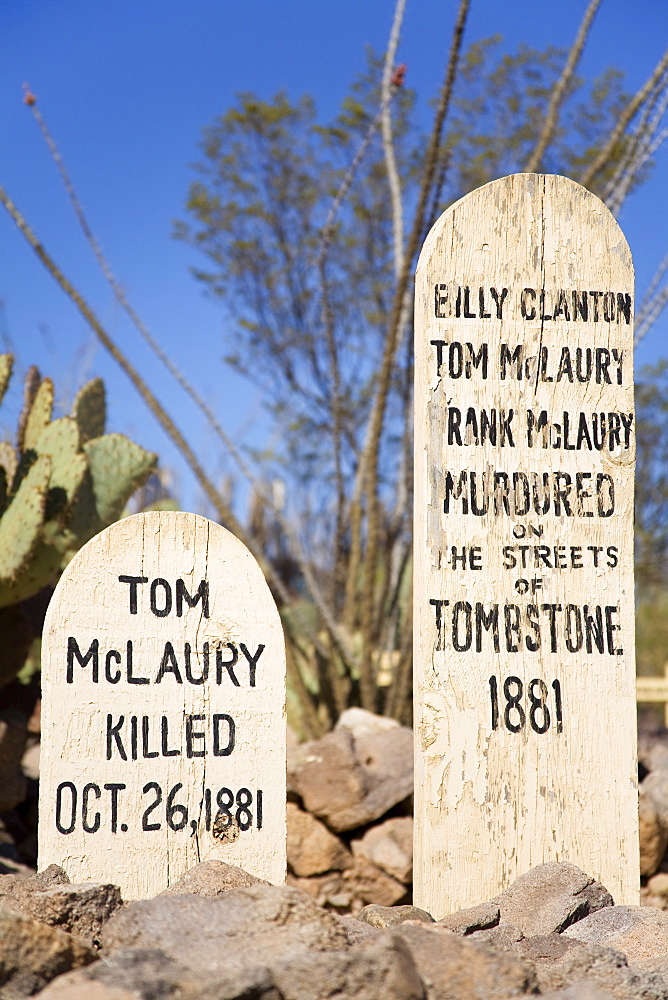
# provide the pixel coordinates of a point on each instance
(133, 581)
(161, 612)
(114, 736)
(228, 664)
(440, 300)
(252, 661)
(438, 608)
(527, 303)
(164, 742)
(193, 734)
(218, 749)
(86, 825)
(91, 655)
(201, 594)
(114, 788)
(169, 665)
(187, 653)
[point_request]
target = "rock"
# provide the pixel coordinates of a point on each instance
(390, 846)
(456, 968)
(78, 909)
(77, 986)
(550, 897)
(388, 916)
(350, 778)
(13, 735)
(211, 878)
(561, 962)
(30, 761)
(154, 976)
(357, 931)
(15, 888)
(640, 932)
(655, 788)
(655, 893)
(653, 834)
(352, 889)
(31, 953)
(581, 991)
(312, 848)
(503, 936)
(653, 749)
(474, 918)
(362, 723)
(382, 970)
(244, 927)
(49, 897)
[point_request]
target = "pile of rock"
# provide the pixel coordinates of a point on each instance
(653, 810)
(220, 934)
(350, 824)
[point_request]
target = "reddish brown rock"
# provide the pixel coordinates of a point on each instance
(312, 848)
(32, 953)
(211, 878)
(653, 834)
(351, 777)
(352, 889)
(389, 846)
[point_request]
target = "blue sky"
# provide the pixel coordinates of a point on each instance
(126, 87)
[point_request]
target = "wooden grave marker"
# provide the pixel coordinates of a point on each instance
(163, 721)
(524, 603)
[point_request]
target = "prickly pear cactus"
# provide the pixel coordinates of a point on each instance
(65, 481)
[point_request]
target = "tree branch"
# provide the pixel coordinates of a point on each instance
(560, 89)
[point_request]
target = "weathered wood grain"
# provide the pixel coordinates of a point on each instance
(555, 617)
(161, 722)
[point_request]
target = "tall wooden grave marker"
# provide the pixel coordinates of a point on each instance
(524, 461)
(163, 734)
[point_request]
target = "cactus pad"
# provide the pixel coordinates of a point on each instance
(39, 415)
(90, 410)
(22, 521)
(60, 441)
(118, 467)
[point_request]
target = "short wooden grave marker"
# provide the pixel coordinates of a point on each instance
(524, 602)
(163, 725)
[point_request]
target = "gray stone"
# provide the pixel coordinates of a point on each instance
(561, 962)
(640, 932)
(49, 897)
(503, 936)
(653, 749)
(389, 845)
(357, 931)
(655, 787)
(312, 848)
(32, 953)
(153, 975)
(254, 926)
(78, 909)
(211, 878)
(350, 778)
(388, 916)
(581, 991)
(653, 834)
(550, 897)
(456, 968)
(381, 970)
(474, 918)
